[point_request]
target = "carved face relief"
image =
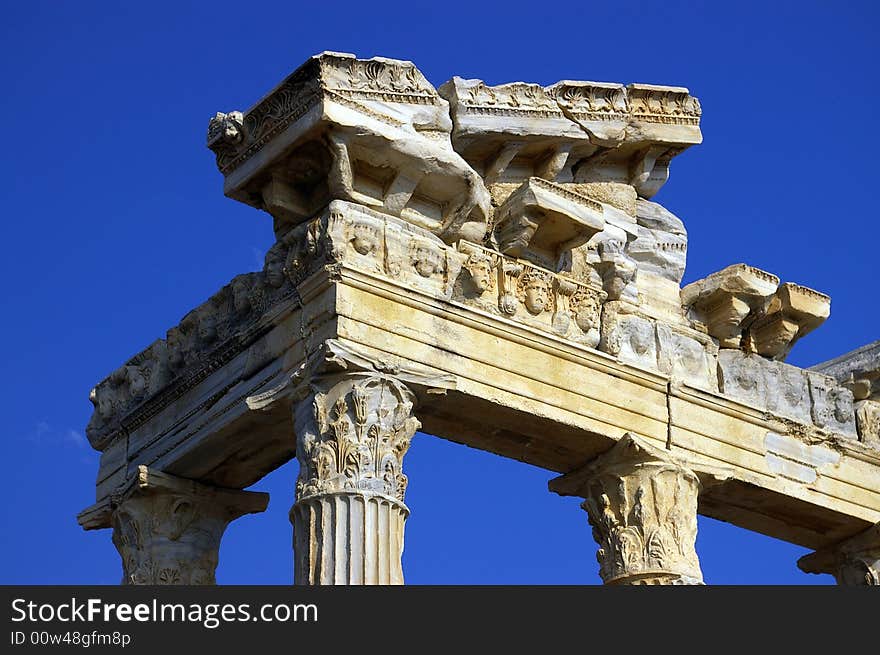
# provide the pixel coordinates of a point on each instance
(535, 293)
(104, 404)
(427, 260)
(587, 307)
(481, 271)
(175, 344)
(275, 266)
(508, 303)
(365, 238)
(745, 378)
(137, 382)
(640, 339)
(241, 297)
(688, 356)
(207, 328)
(225, 129)
(792, 386)
(843, 411)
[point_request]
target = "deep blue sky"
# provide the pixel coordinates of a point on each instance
(115, 226)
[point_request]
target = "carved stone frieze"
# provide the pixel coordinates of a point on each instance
(215, 331)
(628, 336)
(556, 302)
(682, 353)
(832, 405)
(206, 337)
(642, 506)
(786, 391)
(686, 358)
(168, 530)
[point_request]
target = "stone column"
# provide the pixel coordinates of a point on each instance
(167, 529)
(352, 433)
(855, 561)
(642, 505)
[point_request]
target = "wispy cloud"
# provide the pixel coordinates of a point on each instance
(75, 437)
(44, 434)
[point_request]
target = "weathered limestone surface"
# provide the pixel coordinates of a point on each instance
(371, 131)
(168, 530)
(859, 372)
(642, 505)
(349, 514)
(492, 255)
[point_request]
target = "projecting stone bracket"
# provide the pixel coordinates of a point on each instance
(745, 307)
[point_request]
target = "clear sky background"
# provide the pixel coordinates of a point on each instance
(115, 225)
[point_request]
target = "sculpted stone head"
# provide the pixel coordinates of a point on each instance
(588, 311)
(207, 330)
(365, 238)
(535, 292)
(481, 270)
(137, 381)
(274, 265)
(176, 344)
(427, 260)
(241, 296)
(102, 399)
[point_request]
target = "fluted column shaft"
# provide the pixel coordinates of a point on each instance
(352, 434)
(168, 530)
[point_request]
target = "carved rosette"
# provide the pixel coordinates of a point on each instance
(352, 435)
(642, 506)
(168, 530)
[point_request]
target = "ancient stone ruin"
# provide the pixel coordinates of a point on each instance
(483, 263)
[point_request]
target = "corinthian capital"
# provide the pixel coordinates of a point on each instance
(353, 435)
(168, 530)
(642, 505)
